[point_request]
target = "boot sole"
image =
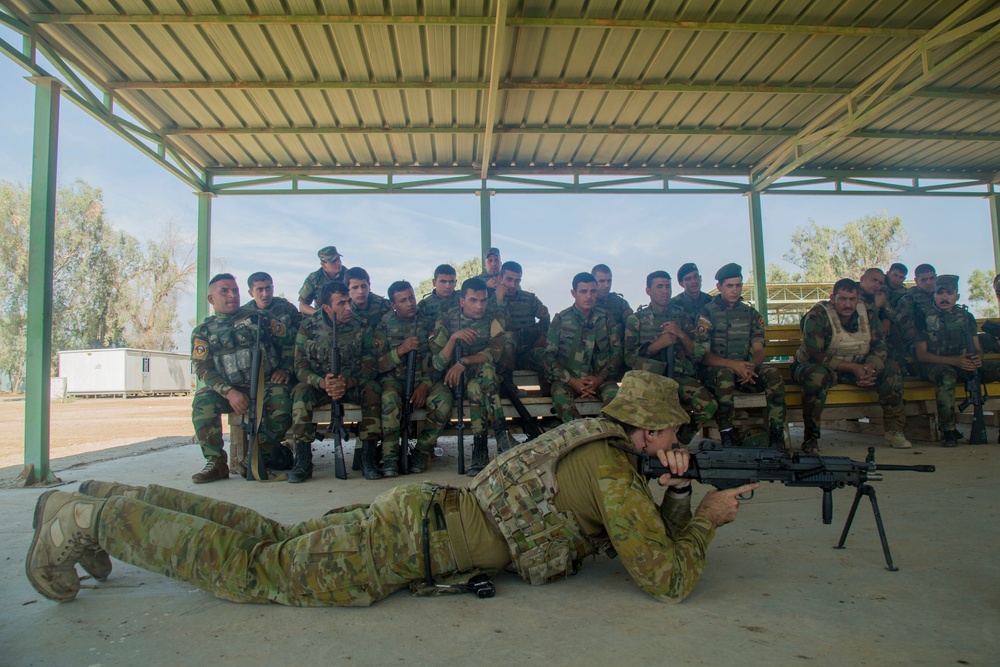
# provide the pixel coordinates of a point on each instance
(35, 521)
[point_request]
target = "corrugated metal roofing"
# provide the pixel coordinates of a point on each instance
(334, 86)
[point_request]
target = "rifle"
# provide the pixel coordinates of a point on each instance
(459, 392)
(406, 423)
(336, 426)
(256, 470)
(670, 360)
(730, 467)
(975, 394)
(528, 423)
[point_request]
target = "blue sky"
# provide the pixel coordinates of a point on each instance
(406, 236)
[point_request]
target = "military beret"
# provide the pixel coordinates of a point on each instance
(686, 269)
(328, 254)
(647, 401)
(491, 251)
(731, 270)
(947, 281)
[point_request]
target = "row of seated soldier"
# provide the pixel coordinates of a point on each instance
(470, 339)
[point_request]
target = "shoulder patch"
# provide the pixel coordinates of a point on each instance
(199, 349)
(760, 320)
(278, 328)
(379, 344)
(704, 324)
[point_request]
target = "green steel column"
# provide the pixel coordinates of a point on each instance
(485, 227)
(204, 254)
(757, 247)
(41, 242)
(995, 226)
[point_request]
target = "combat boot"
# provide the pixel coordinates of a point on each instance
(390, 464)
(65, 525)
(777, 437)
(420, 461)
(950, 437)
(728, 437)
(215, 468)
(97, 489)
(502, 437)
(897, 440)
(303, 468)
(480, 454)
(279, 458)
(356, 461)
(369, 460)
(810, 446)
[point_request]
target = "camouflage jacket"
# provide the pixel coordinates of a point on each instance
(314, 283)
(314, 343)
(433, 308)
(642, 328)
(945, 333)
(726, 332)
(389, 335)
(911, 310)
(577, 346)
(876, 313)
(686, 310)
(526, 317)
(377, 308)
(222, 348)
(817, 336)
(286, 313)
(617, 309)
(893, 294)
(491, 341)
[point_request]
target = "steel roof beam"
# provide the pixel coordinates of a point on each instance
(499, 34)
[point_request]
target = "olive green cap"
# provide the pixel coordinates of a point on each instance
(731, 270)
(328, 254)
(647, 401)
(946, 281)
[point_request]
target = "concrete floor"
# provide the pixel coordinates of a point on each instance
(774, 591)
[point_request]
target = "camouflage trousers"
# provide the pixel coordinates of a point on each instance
(697, 401)
(722, 383)
(563, 399)
(946, 378)
(482, 389)
(437, 405)
(816, 380)
(208, 406)
(352, 556)
(306, 397)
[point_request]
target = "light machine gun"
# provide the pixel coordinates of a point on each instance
(731, 467)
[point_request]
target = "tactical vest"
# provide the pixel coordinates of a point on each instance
(731, 329)
(349, 341)
(946, 332)
(649, 330)
(456, 321)
(522, 311)
(435, 308)
(231, 342)
(844, 345)
(395, 332)
(518, 489)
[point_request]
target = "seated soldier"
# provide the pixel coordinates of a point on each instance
(491, 270)
(894, 279)
(945, 356)
(613, 303)
(331, 269)
(914, 305)
(729, 343)
(527, 317)
(990, 338)
(334, 325)
(365, 304)
(655, 341)
(480, 340)
(874, 297)
(443, 298)
(221, 351)
(399, 334)
(840, 345)
(687, 305)
(583, 352)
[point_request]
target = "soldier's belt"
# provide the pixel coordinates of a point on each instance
(448, 500)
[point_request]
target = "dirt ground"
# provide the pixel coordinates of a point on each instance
(81, 425)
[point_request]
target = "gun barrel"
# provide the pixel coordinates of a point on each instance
(898, 468)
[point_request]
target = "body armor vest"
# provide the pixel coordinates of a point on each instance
(947, 332)
(731, 329)
(844, 345)
(231, 343)
(456, 321)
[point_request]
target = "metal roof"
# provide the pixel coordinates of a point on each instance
(759, 89)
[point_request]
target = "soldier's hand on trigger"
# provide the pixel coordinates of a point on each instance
(469, 336)
(678, 460)
(408, 345)
(720, 507)
(238, 400)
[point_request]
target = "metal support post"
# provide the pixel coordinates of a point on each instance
(41, 244)
(485, 224)
(995, 226)
(757, 258)
(204, 254)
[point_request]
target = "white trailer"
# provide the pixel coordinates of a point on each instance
(125, 372)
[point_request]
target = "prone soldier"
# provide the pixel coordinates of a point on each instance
(331, 269)
(365, 304)
(221, 350)
(729, 343)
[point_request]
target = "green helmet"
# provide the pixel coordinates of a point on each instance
(647, 401)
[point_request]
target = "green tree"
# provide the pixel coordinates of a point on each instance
(470, 268)
(826, 255)
(980, 297)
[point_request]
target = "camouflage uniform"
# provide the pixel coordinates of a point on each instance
(286, 313)
(686, 310)
(389, 335)
(893, 294)
(378, 307)
(618, 310)
(643, 327)
(486, 277)
(578, 346)
(482, 384)
(730, 333)
(895, 349)
(220, 351)
(527, 318)
(313, 345)
(945, 335)
(911, 310)
(357, 555)
(816, 367)
(314, 282)
(433, 308)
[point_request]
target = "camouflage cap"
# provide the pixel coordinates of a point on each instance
(491, 251)
(648, 401)
(946, 281)
(328, 254)
(731, 270)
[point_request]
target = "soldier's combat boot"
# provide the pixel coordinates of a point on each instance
(369, 460)
(728, 437)
(420, 461)
(502, 437)
(950, 437)
(480, 454)
(65, 525)
(215, 468)
(356, 461)
(777, 437)
(810, 446)
(390, 464)
(897, 440)
(303, 467)
(279, 458)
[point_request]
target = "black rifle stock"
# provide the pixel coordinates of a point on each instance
(460, 405)
(336, 410)
(528, 423)
(975, 394)
(732, 467)
(406, 426)
(256, 470)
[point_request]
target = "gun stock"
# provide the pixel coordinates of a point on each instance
(337, 410)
